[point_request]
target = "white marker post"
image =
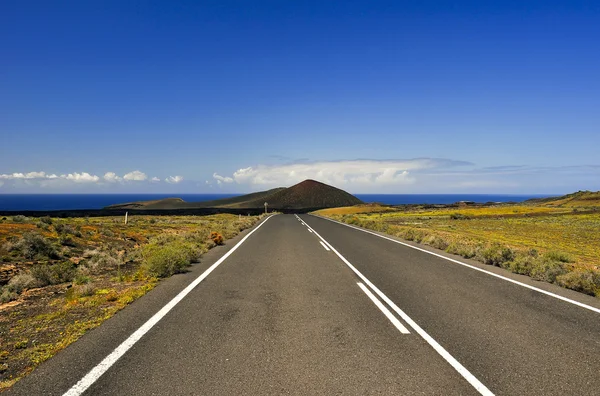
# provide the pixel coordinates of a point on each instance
(126, 217)
(266, 205)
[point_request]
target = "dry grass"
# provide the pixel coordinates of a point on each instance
(557, 244)
(50, 300)
(371, 208)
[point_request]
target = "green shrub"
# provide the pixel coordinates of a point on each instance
(66, 229)
(53, 274)
(167, 259)
(35, 246)
(352, 220)
(42, 226)
(462, 249)
(81, 279)
(497, 255)
(548, 270)
(20, 219)
(587, 282)
(66, 240)
(522, 264)
(46, 220)
(559, 256)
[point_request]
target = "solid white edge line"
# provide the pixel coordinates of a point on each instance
(466, 374)
(325, 246)
(95, 373)
(383, 309)
(579, 304)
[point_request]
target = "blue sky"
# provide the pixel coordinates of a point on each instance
(238, 96)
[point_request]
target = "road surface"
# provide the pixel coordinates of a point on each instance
(305, 306)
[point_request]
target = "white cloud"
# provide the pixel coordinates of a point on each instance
(76, 177)
(221, 179)
(83, 177)
(155, 179)
(30, 175)
(135, 176)
(112, 177)
(359, 174)
(174, 179)
(45, 179)
(35, 175)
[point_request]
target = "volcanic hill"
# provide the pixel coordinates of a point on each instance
(309, 194)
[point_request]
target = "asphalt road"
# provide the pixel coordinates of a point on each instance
(308, 306)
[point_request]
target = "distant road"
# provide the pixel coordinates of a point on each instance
(304, 305)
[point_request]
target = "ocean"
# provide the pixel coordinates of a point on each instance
(404, 199)
(20, 202)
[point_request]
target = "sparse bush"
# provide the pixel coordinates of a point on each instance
(522, 264)
(7, 295)
(587, 282)
(85, 290)
(46, 220)
(413, 234)
(53, 274)
(460, 216)
(107, 232)
(436, 242)
(548, 270)
(559, 256)
(497, 255)
(20, 219)
(167, 259)
(81, 279)
(62, 228)
(462, 249)
(17, 285)
(42, 226)
(66, 240)
(35, 246)
(352, 220)
(96, 262)
(21, 282)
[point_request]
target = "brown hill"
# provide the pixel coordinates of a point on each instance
(579, 199)
(309, 194)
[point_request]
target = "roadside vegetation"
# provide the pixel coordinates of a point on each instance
(555, 241)
(62, 277)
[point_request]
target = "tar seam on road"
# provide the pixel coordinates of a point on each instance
(92, 376)
(462, 370)
(582, 305)
(384, 309)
